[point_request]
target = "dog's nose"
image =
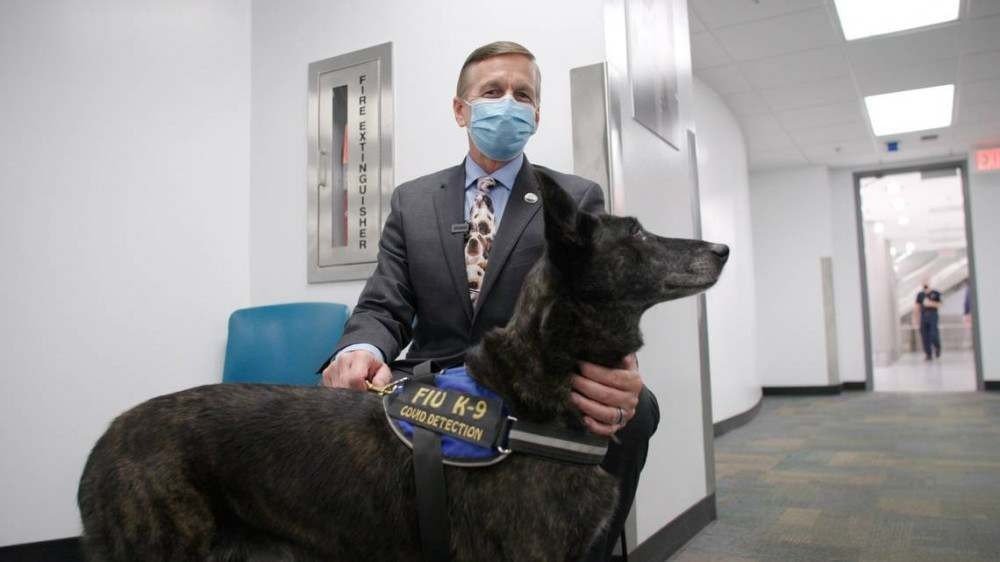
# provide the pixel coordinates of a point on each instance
(720, 250)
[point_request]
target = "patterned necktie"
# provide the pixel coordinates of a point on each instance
(479, 239)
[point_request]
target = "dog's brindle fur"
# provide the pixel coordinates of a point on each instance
(258, 472)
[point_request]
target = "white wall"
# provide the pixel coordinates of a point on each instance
(124, 161)
(791, 232)
(430, 42)
(658, 190)
(847, 277)
(725, 217)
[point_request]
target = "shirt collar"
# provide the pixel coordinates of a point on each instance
(505, 176)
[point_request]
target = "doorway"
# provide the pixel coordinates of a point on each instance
(917, 274)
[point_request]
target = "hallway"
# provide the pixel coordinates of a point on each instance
(954, 371)
(859, 477)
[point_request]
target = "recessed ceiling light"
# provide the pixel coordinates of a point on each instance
(903, 221)
(864, 18)
(911, 110)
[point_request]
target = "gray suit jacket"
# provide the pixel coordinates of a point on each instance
(419, 291)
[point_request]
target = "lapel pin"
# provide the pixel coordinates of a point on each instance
(530, 198)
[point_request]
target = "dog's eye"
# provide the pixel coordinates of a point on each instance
(637, 232)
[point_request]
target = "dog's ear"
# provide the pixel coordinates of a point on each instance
(567, 230)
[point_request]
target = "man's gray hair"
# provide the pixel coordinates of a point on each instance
(495, 49)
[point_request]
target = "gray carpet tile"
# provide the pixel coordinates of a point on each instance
(866, 477)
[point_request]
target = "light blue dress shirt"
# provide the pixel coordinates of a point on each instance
(500, 193)
(505, 177)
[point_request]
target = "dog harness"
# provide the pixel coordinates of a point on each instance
(447, 418)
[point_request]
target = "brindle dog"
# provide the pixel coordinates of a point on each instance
(257, 472)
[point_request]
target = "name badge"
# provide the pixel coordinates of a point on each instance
(473, 419)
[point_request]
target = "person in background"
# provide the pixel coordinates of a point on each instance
(925, 311)
(968, 305)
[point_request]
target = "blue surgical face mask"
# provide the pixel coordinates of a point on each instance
(501, 127)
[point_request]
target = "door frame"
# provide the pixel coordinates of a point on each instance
(970, 251)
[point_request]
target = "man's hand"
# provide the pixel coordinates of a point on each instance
(599, 393)
(353, 368)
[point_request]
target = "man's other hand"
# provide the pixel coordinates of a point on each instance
(353, 368)
(599, 392)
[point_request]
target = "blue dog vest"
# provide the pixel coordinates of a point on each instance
(470, 418)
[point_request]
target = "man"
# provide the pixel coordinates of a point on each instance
(454, 253)
(926, 310)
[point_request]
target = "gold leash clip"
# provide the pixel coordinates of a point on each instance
(385, 389)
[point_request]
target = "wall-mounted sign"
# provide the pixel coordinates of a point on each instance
(349, 179)
(988, 160)
(653, 69)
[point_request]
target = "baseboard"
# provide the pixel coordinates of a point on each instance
(855, 386)
(63, 550)
(802, 390)
(739, 420)
(674, 535)
(991, 385)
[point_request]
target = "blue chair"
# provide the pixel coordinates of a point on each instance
(282, 344)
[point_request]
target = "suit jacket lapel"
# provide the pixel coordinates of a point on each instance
(449, 205)
(516, 217)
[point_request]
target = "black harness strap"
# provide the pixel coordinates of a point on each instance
(552, 441)
(431, 491)
(432, 496)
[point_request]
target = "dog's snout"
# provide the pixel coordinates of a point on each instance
(720, 250)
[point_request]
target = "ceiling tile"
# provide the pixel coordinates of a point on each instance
(755, 153)
(981, 34)
(780, 35)
(972, 113)
(810, 94)
(908, 77)
(746, 103)
(706, 51)
(797, 68)
(858, 151)
(761, 125)
(979, 92)
(823, 153)
(853, 161)
(769, 160)
(724, 79)
(979, 66)
(763, 132)
(718, 13)
(980, 134)
(980, 8)
(888, 53)
(822, 115)
(693, 22)
(831, 133)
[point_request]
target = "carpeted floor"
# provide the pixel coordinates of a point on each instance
(861, 477)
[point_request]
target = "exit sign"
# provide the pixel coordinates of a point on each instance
(988, 160)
